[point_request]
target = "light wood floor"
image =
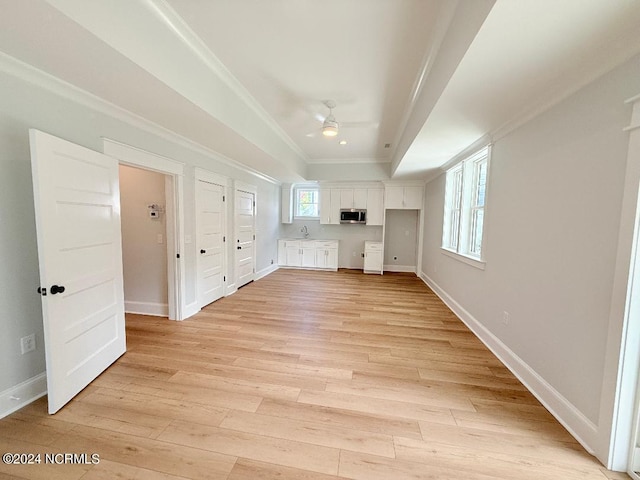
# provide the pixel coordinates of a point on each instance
(304, 376)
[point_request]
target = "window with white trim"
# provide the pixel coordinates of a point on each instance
(306, 202)
(464, 205)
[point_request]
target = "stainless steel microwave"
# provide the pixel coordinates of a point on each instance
(353, 215)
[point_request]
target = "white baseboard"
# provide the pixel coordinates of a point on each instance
(190, 310)
(230, 290)
(266, 271)
(147, 308)
(399, 268)
(23, 394)
(578, 425)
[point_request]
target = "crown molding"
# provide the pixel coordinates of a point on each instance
(343, 161)
(184, 33)
(560, 95)
(38, 78)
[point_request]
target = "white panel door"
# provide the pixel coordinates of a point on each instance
(245, 237)
(77, 205)
(210, 246)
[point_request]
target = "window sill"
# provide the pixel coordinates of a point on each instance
(474, 262)
(307, 219)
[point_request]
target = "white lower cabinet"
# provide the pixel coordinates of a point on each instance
(373, 257)
(320, 254)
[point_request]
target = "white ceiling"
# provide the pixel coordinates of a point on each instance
(246, 78)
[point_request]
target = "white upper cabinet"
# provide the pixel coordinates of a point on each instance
(413, 197)
(287, 203)
(394, 197)
(332, 200)
(403, 197)
(375, 206)
(360, 198)
(353, 198)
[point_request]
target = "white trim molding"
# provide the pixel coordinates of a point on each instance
(56, 86)
(147, 308)
(23, 394)
(137, 157)
(266, 271)
(578, 425)
(399, 268)
(191, 309)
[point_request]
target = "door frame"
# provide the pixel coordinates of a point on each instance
(210, 177)
(239, 186)
(174, 193)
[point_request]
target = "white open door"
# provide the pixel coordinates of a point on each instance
(245, 236)
(77, 205)
(210, 233)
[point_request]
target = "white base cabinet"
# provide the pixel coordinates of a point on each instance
(312, 254)
(373, 257)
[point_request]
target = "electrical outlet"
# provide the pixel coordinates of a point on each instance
(506, 318)
(28, 343)
(160, 238)
(353, 254)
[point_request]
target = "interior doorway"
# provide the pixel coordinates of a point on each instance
(144, 241)
(173, 174)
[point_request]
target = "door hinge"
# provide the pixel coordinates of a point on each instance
(223, 198)
(254, 237)
(177, 255)
(42, 291)
(224, 279)
(254, 204)
(224, 239)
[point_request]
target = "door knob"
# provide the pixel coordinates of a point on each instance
(203, 251)
(56, 289)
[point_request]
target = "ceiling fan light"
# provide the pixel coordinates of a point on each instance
(330, 130)
(330, 127)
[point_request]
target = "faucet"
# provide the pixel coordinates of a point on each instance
(304, 231)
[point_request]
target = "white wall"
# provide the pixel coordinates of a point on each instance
(400, 239)
(144, 259)
(552, 223)
(351, 237)
(84, 120)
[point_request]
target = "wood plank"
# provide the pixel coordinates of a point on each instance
(252, 470)
(151, 454)
(108, 470)
(491, 463)
(315, 433)
(256, 447)
(378, 406)
(369, 422)
(361, 466)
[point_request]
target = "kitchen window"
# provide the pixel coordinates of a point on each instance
(464, 208)
(306, 203)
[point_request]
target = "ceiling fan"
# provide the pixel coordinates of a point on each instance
(331, 127)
